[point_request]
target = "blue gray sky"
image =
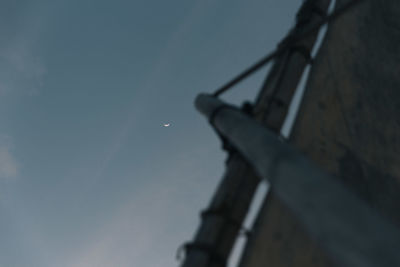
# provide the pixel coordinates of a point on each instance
(89, 177)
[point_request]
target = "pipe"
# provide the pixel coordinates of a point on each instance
(350, 231)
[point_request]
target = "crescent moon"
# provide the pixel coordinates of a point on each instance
(166, 124)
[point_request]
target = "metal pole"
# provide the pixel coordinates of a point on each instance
(222, 220)
(343, 224)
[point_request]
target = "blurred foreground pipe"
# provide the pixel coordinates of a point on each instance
(350, 231)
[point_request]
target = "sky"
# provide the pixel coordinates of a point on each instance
(89, 176)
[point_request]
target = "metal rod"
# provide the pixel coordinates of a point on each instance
(291, 40)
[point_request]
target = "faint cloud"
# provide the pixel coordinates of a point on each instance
(20, 70)
(21, 67)
(8, 164)
(150, 220)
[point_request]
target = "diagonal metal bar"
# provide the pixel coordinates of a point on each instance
(290, 40)
(350, 231)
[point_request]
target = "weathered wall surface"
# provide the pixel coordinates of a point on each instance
(349, 124)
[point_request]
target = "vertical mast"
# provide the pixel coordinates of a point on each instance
(348, 124)
(222, 220)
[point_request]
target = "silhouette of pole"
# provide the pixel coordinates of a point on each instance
(222, 220)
